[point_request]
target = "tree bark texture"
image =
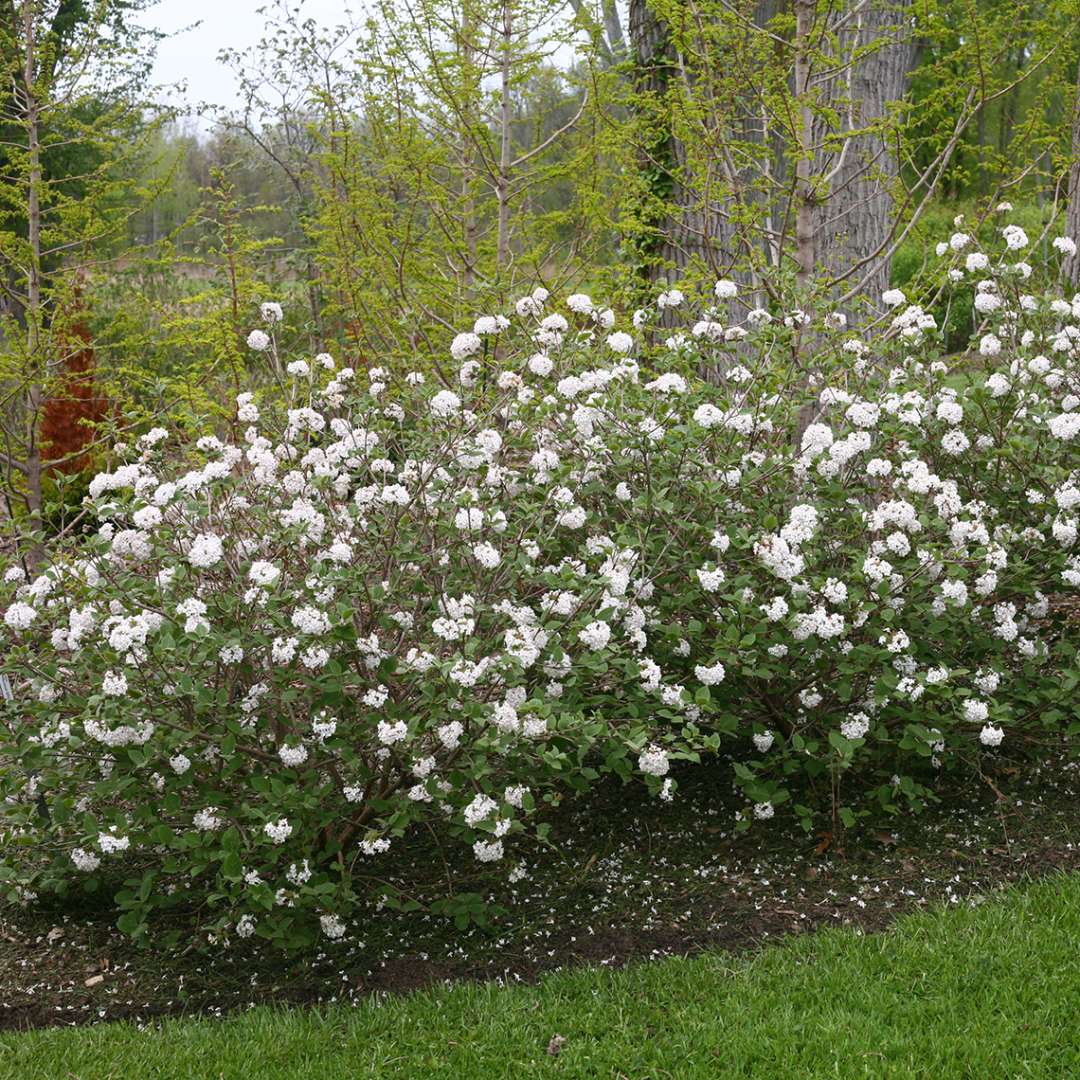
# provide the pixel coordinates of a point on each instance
(855, 215)
(1071, 267)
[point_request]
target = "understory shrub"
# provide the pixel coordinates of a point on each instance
(396, 599)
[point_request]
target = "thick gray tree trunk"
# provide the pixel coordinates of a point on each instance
(687, 230)
(844, 209)
(857, 213)
(1071, 268)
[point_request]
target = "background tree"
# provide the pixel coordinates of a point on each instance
(74, 122)
(783, 134)
(1072, 219)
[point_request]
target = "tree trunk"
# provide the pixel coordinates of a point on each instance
(502, 187)
(1071, 265)
(686, 231)
(805, 231)
(469, 228)
(856, 216)
(35, 362)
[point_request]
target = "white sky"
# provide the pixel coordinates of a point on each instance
(200, 29)
(191, 56)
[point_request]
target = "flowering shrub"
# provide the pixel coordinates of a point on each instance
(403, 601)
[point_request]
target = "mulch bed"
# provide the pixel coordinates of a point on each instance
(630, 879)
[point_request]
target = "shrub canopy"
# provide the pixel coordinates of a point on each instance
(394, 598)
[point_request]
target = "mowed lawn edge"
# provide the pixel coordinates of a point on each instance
(965, 991)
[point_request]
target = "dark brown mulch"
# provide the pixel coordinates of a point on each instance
(630, 880)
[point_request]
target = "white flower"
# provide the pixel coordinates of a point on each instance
(991, 735)
(282, 650)
(817, 439)
(669, 383)
(893, 298)
(955, 442)
(271, 312)
(208, 820)
(1066, 426)
(540, 364)
(464, 345)
(323, 727)
(487, 555)
(1015, 237)
(481, 807)
(528, 305)
(450, 734)
(763, 741)
(975, 711)
(572, 518)
(19, 616)
(310, 620)
(856, 726)
(314, 657)
(950, 411)
(86, 861)
(763, 811)
(620, 342)
(147, 517)
(376, 697)
(110, 843)
(278, 831)
(246, 411)
(445, 403)
(469, 519)
(258, 340)
(711, 580)
(375, 846)
(263, 573)
(710, 676)
(206, 550)
(488, 850)
(114, 684)
(725, 289)
(392, 733)
(332, 926)
(487, 325)
(708, 415)
(515, 795)
(596, 635)
(1064, 244)
(654, 761)
(292, 756)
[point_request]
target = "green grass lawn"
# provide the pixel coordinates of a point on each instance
(986, 992)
